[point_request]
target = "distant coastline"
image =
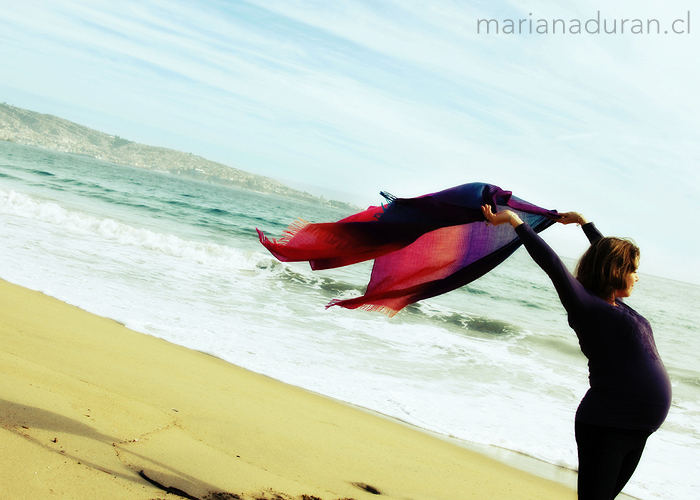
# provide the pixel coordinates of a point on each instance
(51, 132)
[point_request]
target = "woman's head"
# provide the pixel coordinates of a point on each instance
(608, 266)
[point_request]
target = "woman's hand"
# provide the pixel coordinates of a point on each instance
(501, 217)
(572, 218)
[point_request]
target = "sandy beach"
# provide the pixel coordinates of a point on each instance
(91, 409)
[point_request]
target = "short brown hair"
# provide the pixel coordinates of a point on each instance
(607, 263)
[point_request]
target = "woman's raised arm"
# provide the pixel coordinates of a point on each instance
(572, 218)
(569, 289)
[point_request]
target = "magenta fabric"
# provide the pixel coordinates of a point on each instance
(422, 247)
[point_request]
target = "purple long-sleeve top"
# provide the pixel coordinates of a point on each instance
(630, 388)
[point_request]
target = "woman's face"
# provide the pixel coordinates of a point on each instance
(632, 278)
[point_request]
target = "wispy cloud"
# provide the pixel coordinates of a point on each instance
(398, 95)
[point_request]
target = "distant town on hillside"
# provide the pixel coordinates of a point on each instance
(51, 132)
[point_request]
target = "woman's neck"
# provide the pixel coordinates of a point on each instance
(610, 299)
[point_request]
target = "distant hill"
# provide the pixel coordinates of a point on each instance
(47, 131)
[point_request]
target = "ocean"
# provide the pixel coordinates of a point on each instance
(493, 364)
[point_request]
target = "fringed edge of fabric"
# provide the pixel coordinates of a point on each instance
(287, 234)
(389, 311)
(292, 231)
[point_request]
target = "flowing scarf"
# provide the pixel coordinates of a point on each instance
(422, 247)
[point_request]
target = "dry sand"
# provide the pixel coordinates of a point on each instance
(87, 404)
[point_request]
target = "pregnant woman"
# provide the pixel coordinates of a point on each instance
(630, 392)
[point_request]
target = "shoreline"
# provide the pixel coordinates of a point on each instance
(87, 404)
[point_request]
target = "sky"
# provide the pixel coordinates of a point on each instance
(345, 98)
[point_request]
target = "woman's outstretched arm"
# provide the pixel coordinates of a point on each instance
(589, 228)
(569, 289)
(505, 216)
(572, 218)
(502, 217)
(508, 216)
